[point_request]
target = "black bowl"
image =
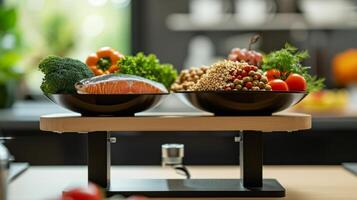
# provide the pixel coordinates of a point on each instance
(111, 105)
(254, 103)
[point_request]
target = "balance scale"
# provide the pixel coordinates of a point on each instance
(250, 130)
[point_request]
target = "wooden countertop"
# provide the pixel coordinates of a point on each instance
(301, 182)
(75, 123)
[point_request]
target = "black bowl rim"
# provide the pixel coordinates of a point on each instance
(241, 92)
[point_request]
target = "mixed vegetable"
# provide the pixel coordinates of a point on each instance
(278, 71)
(67, 76)
(285, 65)
(245, 70)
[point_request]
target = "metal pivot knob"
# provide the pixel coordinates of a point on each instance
(172, 154)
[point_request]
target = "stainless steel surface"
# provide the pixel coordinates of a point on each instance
(4, 171)
(172, 154)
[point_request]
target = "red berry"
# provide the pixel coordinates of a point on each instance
(257, 77)
(240, 77)
(248, 85)
(244, 73)
(246, 68)
(254, 68)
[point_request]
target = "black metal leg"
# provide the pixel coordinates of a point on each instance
(250, 184)
(251, 159)
(99, 158)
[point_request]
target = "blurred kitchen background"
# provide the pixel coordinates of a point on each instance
(185, 33)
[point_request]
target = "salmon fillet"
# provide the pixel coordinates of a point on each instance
(119, 84)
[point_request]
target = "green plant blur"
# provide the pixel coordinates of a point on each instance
(10, 45)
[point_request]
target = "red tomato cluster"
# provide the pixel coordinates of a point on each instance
(294, 82)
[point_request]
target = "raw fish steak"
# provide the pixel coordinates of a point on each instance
(119, 84)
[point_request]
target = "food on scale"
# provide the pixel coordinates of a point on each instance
(188, 78)
(109, 72)
(231, 76)
(280, 71)
(61, 74)
(296, 82)
(104, 61)
(285, 65)
(247, 55)
(278, 85)
(148, 67)
(119, 84)
(106, 72)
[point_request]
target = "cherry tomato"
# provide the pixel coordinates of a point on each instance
(273, 74)
(92, 192)
(278, 85)
(296, 82)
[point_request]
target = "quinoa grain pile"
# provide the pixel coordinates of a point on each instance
(222, 76)
(217, 76)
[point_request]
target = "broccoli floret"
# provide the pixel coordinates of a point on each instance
(61, 74)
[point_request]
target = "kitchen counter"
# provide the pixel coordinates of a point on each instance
(25, 115)
(301, 182)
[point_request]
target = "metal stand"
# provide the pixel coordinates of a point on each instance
(251, 183)
(99, 158)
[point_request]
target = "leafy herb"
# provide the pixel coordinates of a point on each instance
(148, 67)
(288, 60)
